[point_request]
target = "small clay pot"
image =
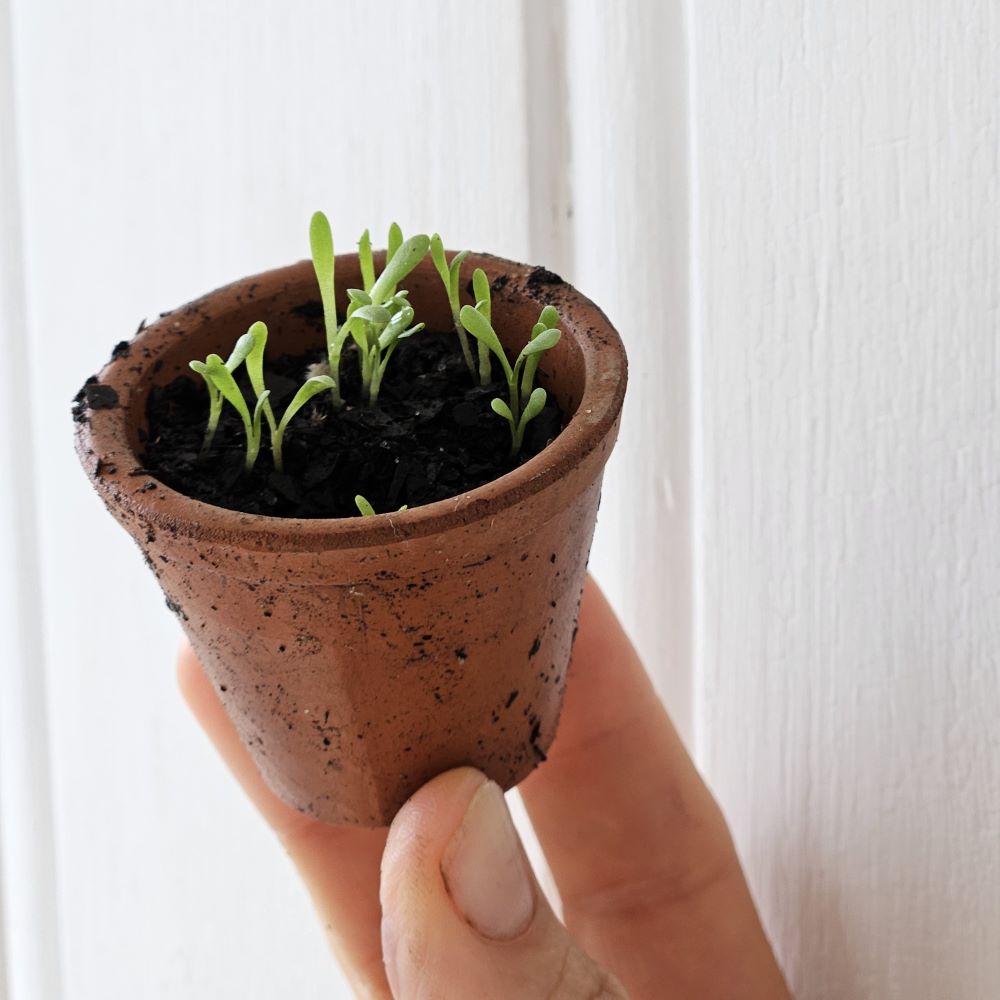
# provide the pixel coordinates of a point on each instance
(359, 657)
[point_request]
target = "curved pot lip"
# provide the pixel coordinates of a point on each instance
(103, 446)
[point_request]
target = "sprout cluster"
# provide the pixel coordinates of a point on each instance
(524, 401)
(221, 383)
(378, 317)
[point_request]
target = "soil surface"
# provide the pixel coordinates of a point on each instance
(432, 436)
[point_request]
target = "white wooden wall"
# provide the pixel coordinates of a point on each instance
(848, 337)
(790, 210)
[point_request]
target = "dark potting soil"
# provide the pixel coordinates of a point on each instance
(432, 436)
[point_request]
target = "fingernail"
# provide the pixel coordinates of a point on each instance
(485, 870)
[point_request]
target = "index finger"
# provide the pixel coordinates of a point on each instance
(339, 865)
(640, 852)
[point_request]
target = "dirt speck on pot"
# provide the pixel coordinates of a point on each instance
(542, 276)
(93, 396)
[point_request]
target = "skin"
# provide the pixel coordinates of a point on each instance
(655, 904)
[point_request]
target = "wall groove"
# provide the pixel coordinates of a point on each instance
(27, 855)
(549, 143)
(628, 112)
(695, 385)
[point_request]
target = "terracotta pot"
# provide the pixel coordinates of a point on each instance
(358, 657)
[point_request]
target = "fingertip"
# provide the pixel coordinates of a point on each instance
(411, 889)
(188, 671)
(427, 820)
(462, 914)
(201, 697)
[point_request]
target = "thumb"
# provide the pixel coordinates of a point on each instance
(462, 914)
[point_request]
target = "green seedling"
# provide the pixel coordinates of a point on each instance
(451, 275)
(377, 330)
(373, 311)
(379, 316)
(215, 399)
(548, 319)
(255, 370)
(394, 242)
(524, 401)
(310, 388)
(216, 372)
(222, 385)
(397, 266)
(324, 264)
(534, 406)
(481, 293)
(367, 260)
(367, 510)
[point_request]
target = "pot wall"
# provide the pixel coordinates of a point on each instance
(441, 652)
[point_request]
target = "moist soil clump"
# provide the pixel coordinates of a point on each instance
(432, 436)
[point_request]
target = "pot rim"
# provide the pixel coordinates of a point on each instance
(104, 449)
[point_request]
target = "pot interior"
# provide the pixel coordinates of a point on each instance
(288, 301)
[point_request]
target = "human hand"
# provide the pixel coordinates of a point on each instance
(654, 900)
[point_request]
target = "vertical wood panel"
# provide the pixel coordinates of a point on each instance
(627, 84)
(850, 233)
(550, 204)
(29, 966)
(169, 148)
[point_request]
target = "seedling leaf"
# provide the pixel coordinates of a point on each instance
(439, 260)
(535, 405)
(395, 241)
(223, 379)
(261, 401)
(214, 406)
(403, 261)
(241, 350)
(454, 274)
(544, 341)
(257, 335)
(549, 317)
(479, 326)
(481, 293)
(308, 389)
(500, 407)
(311, 387)
(365, 260)
(321, 246)
(377, 315)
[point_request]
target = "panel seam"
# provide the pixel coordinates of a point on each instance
(548, 145)
(696, 459)
(29, 923)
